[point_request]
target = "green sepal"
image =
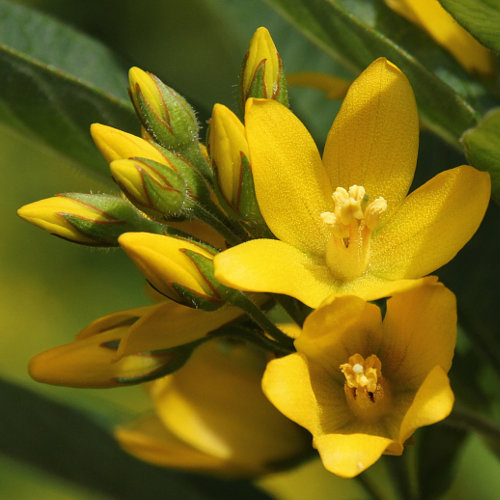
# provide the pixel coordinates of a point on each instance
(257, 88)
(122, 218)
(178, 128)
(220, 293)
(248, 207)
(195, 181)
(247, 213)
(482, 148)
(163, 362)
(166, 199)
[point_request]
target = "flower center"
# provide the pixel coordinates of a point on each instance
(351, 224)
(366, 391)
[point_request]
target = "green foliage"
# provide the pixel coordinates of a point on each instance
(356, 33)
(62, 441)
(482, 147)
(56, 81)
(480, 17)
(438, 450)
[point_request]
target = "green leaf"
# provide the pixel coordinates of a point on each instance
(356, 33)
(56, 81)
(64, 442)
(480, 17)
(438, 448)
(482, 147)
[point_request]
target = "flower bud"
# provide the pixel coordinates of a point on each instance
(92, 362)
(115, 144)
(90, 219)
(154, 188)
(177, 267)
(229, 153)
(263, 74)
(165, 114)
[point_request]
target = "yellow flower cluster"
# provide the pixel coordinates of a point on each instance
(261, 211)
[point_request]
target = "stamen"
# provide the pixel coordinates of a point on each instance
(351, 224)
(373, 212)
(328, 218)
(367, 392)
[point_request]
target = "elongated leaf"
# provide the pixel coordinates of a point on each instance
(64, 442)
(358, 32)
(482, 147)
(438, 449)
(55, 82)
(480, 17)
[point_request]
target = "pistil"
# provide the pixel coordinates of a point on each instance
(351, 223)
(366, 391)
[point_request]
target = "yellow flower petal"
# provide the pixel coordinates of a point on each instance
(432, 224)
(373, 141)
(346, 326)
(236, 424)
(115, 144)
(274, 266)
(171, 324)
(306, 394)
(149, 440)
(290, 182)
(420, 329)
(433, 18)
(347, 455)
(433, 402)
(114, 320)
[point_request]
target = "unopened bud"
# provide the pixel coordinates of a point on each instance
(92, 362)
(165, 114)
(115, 144)
(263, 74)
(229, 153)
(90, 219)
(177, 267)
(151, 186)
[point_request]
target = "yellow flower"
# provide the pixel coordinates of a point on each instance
(362, 386)
(344, 223)
(211, 416)
(440, 25)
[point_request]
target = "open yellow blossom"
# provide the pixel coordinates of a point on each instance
(362, 386)
(344, 223)
(433, 18)
(211, 416)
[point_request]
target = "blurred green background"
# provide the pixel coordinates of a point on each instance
(51, 289)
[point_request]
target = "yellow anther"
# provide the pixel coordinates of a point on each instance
(357, 192)
(328, 218)
(351, 223)
(362, 373)
(373, 212)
